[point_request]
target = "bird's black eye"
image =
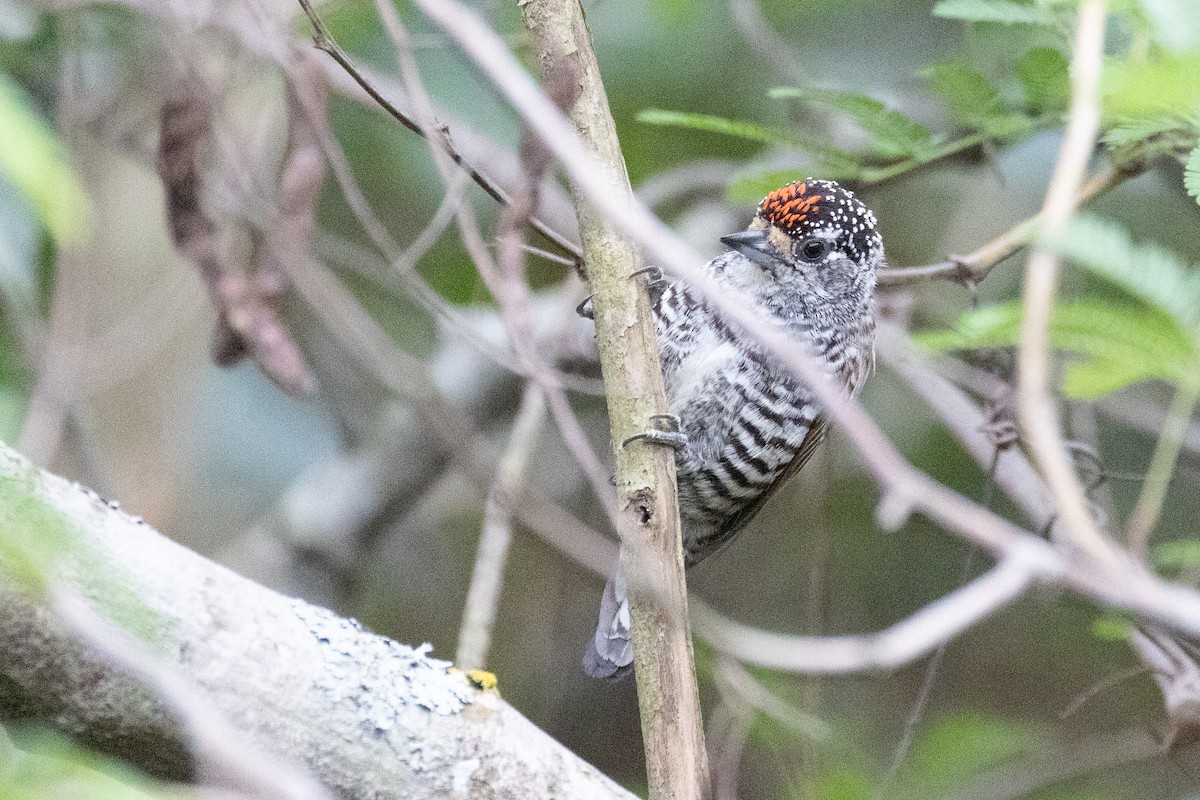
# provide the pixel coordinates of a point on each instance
(815, 249)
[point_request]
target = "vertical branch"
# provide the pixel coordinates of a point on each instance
(1039, 417)
(487, 578)
(1162, 465)
(651, 556)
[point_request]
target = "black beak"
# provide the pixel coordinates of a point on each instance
(754, 246)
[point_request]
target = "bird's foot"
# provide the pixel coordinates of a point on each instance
(584, 309)
(654, 278)
(653, 274)
(655, 285)
(666, 432)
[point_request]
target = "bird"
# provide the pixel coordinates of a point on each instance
(741, 424)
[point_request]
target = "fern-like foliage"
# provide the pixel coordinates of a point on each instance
(1147, 271)
(1115, 344)
(831, 162)
(1191, 173)
(1043, 72)
(893, 134)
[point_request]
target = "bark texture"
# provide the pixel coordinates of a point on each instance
(651, 553)
(366, 716)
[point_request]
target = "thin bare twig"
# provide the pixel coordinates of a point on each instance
(1052, 765)
(1124, 585)
(1145, 514)
(734, 679)
(401, 260)
(1038, 414)
(1146, 416)
(1016, 476)
(709, 177)
(512, 293)
(1010, 469)
(765, 40)
(908, 734)
(1103, 685)
(508, 285)
(728, 728)
(324, 41)
(1178, 677)
(483, 594)
(978, 264)
(407, 377)
(900, 644)
(453, 322)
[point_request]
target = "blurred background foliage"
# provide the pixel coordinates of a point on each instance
(945, 117)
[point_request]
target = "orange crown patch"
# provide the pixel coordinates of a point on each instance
(786, 208)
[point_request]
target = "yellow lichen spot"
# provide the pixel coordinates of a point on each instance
(483, 680)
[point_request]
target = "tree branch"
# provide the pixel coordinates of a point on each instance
(1039, 418)
(1123, 584)
(325, 42)
(368, 717)
(896, 646)
(651, 554)
(978, 264)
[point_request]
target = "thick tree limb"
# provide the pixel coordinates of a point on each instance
(368, 717)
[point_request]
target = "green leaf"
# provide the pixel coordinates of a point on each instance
(1004, 12)
(41, 765)
(1004, 126)
(1166, 84)
(1179, 554)
(714, 124)
(963, 746)
(971, 98)
(1118, 345)
(1043, 74)
(1111, 627)
(1097, 377)
(1191, 174)
(675, 9)
(989, 326)
(844, 785)
(33, 160)
(893, 134)
(1129, 131)
(830, 161)
(1147, 271)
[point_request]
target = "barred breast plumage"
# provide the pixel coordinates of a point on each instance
(808, 261)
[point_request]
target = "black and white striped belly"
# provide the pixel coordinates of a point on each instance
(741, 450)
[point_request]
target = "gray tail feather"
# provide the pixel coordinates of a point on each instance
(610, 651)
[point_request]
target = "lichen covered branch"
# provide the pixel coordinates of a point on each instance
(366, 716)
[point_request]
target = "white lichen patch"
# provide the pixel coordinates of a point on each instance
(460, 779)
(392, 679)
